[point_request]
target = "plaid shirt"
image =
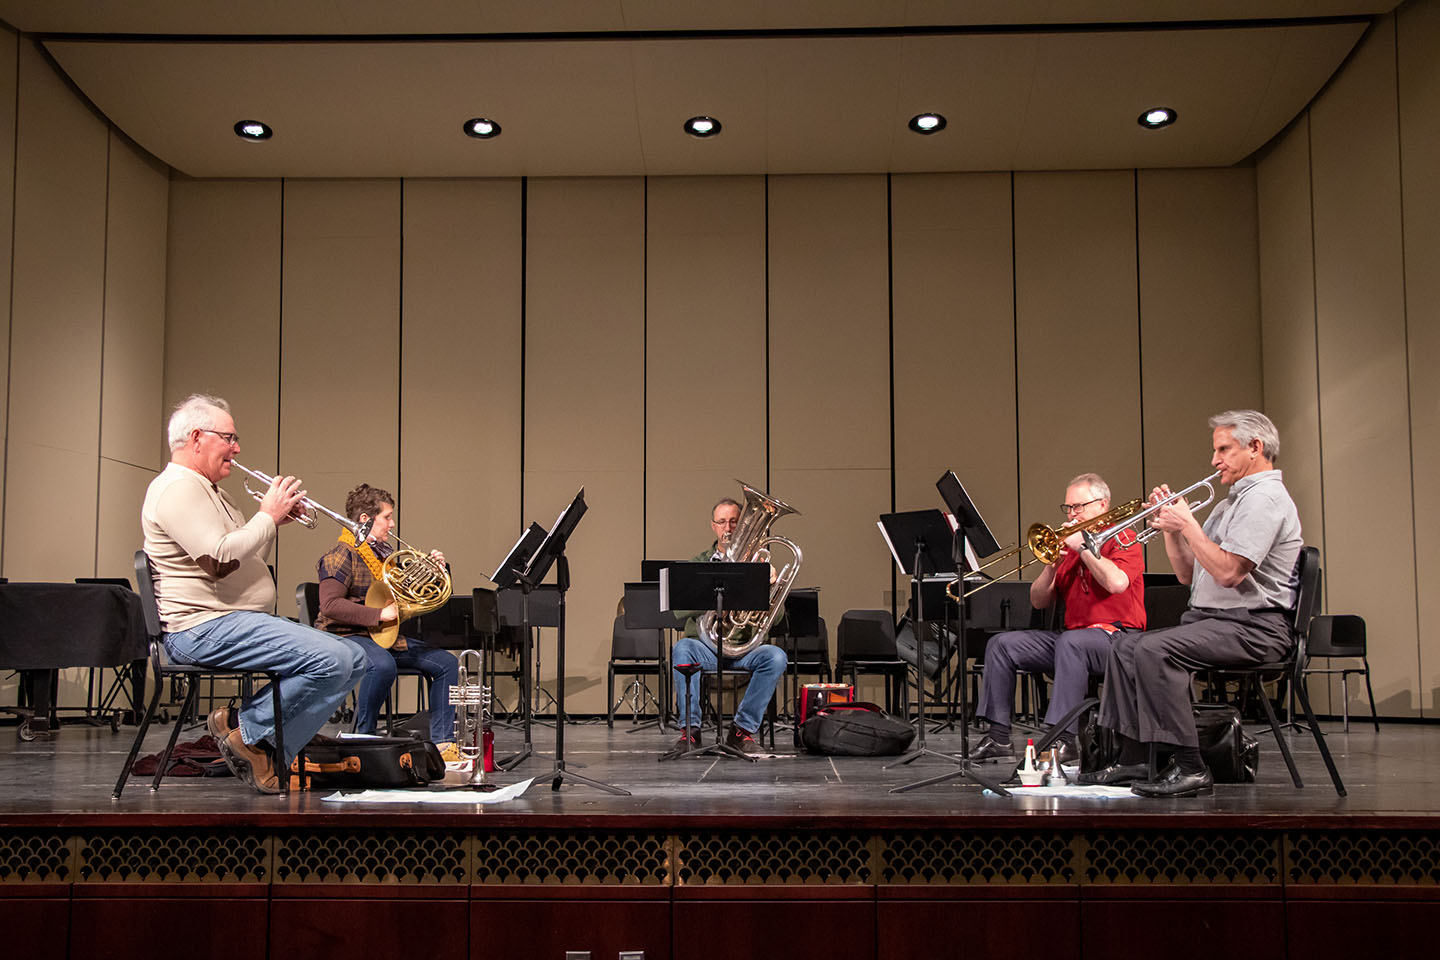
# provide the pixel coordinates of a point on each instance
(343, 563)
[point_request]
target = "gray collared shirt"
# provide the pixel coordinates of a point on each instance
(1257, 521)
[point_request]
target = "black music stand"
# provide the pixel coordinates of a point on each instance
(802, 619)
(506, 575)
(716, 586)
(642, 612)
(919, 540)
(552, 552)
(969, 530)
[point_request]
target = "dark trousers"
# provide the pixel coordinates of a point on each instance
(1071, 657)
(1148, 679)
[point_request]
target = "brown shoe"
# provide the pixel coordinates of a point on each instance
(218, 723)
(252, 764)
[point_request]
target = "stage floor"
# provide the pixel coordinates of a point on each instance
(1391, 776)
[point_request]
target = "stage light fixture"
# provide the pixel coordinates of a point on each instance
(253, 130)
(702, 127)
(1156, 117)
(482, 128)
(927, 123)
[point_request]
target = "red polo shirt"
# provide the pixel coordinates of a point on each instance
(1086, 602)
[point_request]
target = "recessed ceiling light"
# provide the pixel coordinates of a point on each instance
(482, 128)
(702, 127)
(253, 130)
(927, 123)
(1156, 117)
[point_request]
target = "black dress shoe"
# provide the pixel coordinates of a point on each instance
(1116, 774)
(1173, 783)
(1069, 752)
(989, 749)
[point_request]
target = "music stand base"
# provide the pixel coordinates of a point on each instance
(922, 751)
(719, 750)
(515, 759)
(560, 774)
(967, 770)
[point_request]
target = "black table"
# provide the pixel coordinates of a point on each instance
(47, 626)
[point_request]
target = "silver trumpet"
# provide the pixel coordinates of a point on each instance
(471, 700)
(1094, 541)
(305, 510)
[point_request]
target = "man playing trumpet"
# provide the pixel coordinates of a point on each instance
(1104, 596)
(215, 595)
(1240, 567)
(345, 573)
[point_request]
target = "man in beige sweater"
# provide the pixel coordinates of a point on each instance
(215, 595)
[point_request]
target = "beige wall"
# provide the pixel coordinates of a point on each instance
(1349, 221)
(84, 247)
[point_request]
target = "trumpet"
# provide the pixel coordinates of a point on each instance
(471, 699)
(305, 511)
(1047, 544)
(1094, 541)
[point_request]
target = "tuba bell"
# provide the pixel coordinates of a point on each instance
(751, 543)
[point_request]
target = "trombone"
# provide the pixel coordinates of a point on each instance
(1094, 541)
(1047, 544)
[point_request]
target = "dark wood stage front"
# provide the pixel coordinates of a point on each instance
(793, 856)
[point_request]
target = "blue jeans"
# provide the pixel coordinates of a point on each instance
(438, 666)
(765, 664)
(1072, 657)
(316, 670)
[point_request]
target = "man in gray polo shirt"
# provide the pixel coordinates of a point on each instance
(1241, 570)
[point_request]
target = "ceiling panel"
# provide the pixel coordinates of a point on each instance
(814, 104)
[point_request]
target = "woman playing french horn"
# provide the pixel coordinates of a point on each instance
(346, 573)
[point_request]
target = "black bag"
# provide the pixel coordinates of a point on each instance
(855, 730)
(936, 647)
(370, 762)
(1232, 755)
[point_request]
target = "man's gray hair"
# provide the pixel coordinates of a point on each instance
(723, 501)
(1099, 489)
(195, 412)
(1247, 425)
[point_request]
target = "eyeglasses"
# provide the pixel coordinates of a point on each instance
(729, 522)
(1069, 508)
(230, 438)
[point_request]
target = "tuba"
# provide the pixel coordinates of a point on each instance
(751, 543)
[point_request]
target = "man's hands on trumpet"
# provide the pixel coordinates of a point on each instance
(281, 499)
(1175, 517)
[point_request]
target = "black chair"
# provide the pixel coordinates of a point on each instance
(637, 653)
(1165, 603)
(307, 605)
(191, 675)
(1340, 636)
(865, 644)
(1291, 667)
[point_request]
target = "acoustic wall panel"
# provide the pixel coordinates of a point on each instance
(57, 301)
(460, 373)
(222, 313)
(339, 353)
(705, 354)
(584, 403)
(1076, 336)
(1199, 320)
(9, 56)
(1418, 38)
(1287, 312)
(1364, 400)
(133, 360)
(954, 335)
(830, 397)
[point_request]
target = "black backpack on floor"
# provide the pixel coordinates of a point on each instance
(855, 730)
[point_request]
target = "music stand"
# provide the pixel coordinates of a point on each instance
(642, 612)
(504, 576)
(969, 530)
(716, 586)
(552, 552)
(802, 619)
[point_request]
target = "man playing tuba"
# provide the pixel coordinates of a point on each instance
(765, 662)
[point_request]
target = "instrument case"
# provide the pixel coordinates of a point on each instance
(369, 762)
(855, 730)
